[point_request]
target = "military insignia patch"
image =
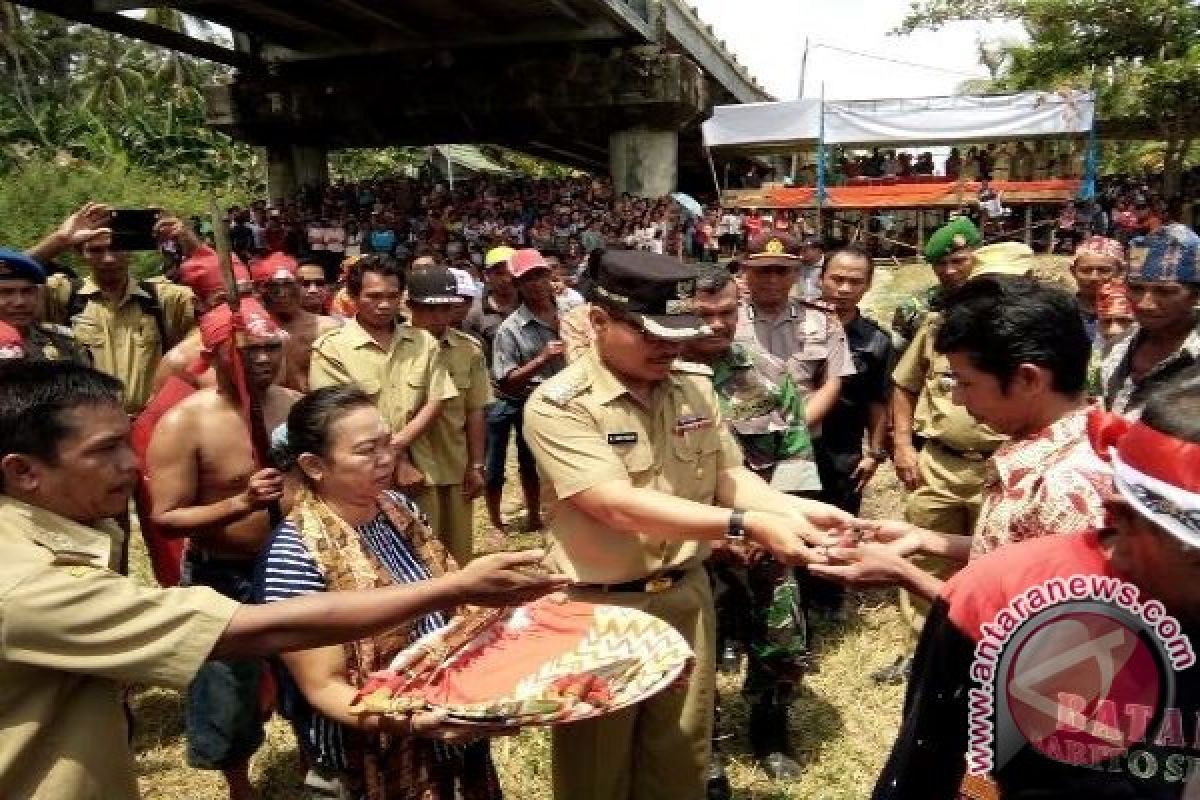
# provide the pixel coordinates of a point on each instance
(774, 247)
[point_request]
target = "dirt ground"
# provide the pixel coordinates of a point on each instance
(843, 722)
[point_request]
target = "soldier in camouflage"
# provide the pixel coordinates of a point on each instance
(949, 253)
(758, 600)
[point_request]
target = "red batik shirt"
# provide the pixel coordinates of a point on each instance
(1051, 482)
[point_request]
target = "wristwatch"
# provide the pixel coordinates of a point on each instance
(879, 455)
(737, 527)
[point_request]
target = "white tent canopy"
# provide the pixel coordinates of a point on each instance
(761, 125)
(902, 122)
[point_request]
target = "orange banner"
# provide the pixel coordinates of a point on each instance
(904, 195)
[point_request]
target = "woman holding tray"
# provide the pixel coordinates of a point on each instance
(348, 530)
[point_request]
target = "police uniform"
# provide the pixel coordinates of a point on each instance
(75, 634)
(585, 429)
(806, 335)
(400, 379)
(442, 501)
(125, 338)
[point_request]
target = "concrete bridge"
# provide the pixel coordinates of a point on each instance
(617, 85)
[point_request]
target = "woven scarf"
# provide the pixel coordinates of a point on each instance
(391, 767)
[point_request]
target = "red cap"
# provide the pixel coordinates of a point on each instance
(201, 272)
(525, 261)
(11, 343)
(275, 267)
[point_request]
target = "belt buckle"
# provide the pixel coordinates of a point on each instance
(659, 584)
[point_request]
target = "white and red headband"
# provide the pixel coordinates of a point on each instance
(1157, 474)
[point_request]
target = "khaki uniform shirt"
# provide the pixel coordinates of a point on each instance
(74, 633)
(575, 331)
(585, 429)
(446, 436)
(400, 380)
(123, 339)
(808, 338)
(925, 372)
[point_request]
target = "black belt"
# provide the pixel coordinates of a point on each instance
(652, 585)
(965, 455)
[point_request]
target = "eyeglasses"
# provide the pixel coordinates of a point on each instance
(319, 283)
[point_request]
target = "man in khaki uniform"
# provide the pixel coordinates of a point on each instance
(642, 474)
(454, 476)
(399, 366)
(76, 633)
(125, 325)
(804, 334)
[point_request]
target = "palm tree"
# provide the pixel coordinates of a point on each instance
(110, 70)
(178, 72)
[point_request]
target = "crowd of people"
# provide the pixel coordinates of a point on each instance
(306, 434)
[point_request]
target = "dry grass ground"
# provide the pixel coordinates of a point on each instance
(843, 721)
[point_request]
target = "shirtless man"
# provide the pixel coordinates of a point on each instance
(206, 486)
(277, 284)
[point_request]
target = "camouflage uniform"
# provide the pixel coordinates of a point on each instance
(911, 313)
(759, 606)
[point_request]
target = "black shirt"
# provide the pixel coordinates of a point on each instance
(871, 348)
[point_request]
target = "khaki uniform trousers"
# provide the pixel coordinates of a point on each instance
(451, 517)
(658, 749)
(947, 501)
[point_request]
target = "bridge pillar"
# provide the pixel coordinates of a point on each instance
(644, 162)
(290, 167)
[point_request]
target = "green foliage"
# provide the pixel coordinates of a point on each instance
(1142, 57)
(38, 195)
(74, 92)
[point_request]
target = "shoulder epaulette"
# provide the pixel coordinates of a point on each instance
(565, 386)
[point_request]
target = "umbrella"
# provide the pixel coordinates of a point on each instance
(688, 204)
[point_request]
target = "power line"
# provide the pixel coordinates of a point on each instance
(897, 61)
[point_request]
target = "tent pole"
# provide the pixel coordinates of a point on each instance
(712, 168)
(821, 166)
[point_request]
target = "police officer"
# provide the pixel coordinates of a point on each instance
(126, 325)
(948, 252)
(20, 277)
(399, 366)
(454, 476)
(802, 333)
(643, 475)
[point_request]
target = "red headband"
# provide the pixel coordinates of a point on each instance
(277, 266)
(1153, 453)
(202, 273)
(218, 326)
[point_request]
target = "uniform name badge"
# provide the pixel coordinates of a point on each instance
(626, 437)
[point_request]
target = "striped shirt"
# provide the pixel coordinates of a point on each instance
(287, 569)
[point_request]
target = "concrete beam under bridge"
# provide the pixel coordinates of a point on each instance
(570, 102)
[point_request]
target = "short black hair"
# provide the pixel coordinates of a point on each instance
(1174, 409)
(312, 416)
(712, 277)
(378, 263)
(1002, 321)
(851, 251)
(34, 395)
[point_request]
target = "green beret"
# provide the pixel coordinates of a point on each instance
(958, 234)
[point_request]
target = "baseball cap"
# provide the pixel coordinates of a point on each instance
(15, 264)
(525, 261)
(497, 256)
(467, 287)
(433, 286)
(657, 291)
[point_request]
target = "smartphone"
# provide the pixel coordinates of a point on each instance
(133, 228)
